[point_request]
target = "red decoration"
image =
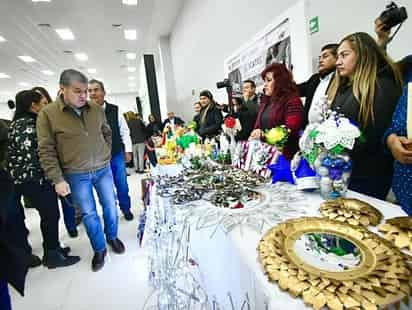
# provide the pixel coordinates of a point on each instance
(239, 205)
(230, 122)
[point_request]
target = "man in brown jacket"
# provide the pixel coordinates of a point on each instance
(74, 148)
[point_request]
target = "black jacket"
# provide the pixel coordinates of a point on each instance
(14, 261)
(178, 121)
(369, 158)
(307, 89)
(213, 122)
(22, 153)
(154, 129)
(247, 117)
(137, 131)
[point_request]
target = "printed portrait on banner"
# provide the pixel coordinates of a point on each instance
(274, 45)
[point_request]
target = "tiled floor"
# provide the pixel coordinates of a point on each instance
(121, 284)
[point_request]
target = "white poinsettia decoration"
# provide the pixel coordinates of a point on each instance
(337, 131)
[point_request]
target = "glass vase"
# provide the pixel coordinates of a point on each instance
(334, 173)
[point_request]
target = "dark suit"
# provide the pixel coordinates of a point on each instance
(178, 121)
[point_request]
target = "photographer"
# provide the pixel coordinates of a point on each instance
(210, 119)
(247, 114)
(392, 16)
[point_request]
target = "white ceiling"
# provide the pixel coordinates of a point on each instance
(91, 22)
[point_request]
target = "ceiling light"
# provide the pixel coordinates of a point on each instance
(27, 58)
(131, 69)
(131, 56)
(65, 34)
(131, 78)
(92, 70)
(132, 84)
(4, 75)
(2, 39)
(81, 56)
(24, 84)
(48, 72)
(129, 2)
(130, 34)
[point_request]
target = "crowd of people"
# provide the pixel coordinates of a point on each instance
(66, 148)
(358, 80)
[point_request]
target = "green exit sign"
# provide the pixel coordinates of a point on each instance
(314, 25)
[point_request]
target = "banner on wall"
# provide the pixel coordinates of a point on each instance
(271, 46)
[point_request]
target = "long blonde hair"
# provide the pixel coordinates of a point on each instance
(369, 58)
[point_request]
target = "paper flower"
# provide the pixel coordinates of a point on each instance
(192, 125)
(277, 136)
(337, 133)
(230, 122)
(231, 126)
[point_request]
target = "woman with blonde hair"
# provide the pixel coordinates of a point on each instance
(366, 89)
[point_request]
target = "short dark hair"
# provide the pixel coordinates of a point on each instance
(94, 81)
(333, 47)
(24, 100)
(70, 75)
(44, 92)
(251, 83)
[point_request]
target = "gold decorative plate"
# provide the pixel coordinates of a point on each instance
(399, 231)
(335, 265)
(352, 211)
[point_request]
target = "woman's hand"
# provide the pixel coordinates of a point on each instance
(382, 34)
(401, 148)
(256, 134)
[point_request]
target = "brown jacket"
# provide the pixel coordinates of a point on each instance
(69, 143)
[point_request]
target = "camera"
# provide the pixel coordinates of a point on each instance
(393, 15)
(11, 104)
(224, 84)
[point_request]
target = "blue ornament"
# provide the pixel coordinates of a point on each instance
(281, 171)
(304, 170)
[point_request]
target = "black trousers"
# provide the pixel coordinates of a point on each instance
(44, 200)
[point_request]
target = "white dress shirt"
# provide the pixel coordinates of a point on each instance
(315, 111)
(124, 130)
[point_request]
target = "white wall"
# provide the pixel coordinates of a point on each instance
(5, 112)
(126, 101)
(206, 33)
(339, 18)
(165, 77)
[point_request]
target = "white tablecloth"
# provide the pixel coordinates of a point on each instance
(229, 264)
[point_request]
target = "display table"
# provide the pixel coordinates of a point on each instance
(228, 261)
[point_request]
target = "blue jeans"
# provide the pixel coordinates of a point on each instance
(69, 213)
(81, 185)
(120, 181)
(5, 302)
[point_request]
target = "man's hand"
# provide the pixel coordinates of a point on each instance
(62, 188)
(128, 157)
(401, 148)
(382, 34)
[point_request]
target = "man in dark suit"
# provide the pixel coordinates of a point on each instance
(318, 84)
(173, 120)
